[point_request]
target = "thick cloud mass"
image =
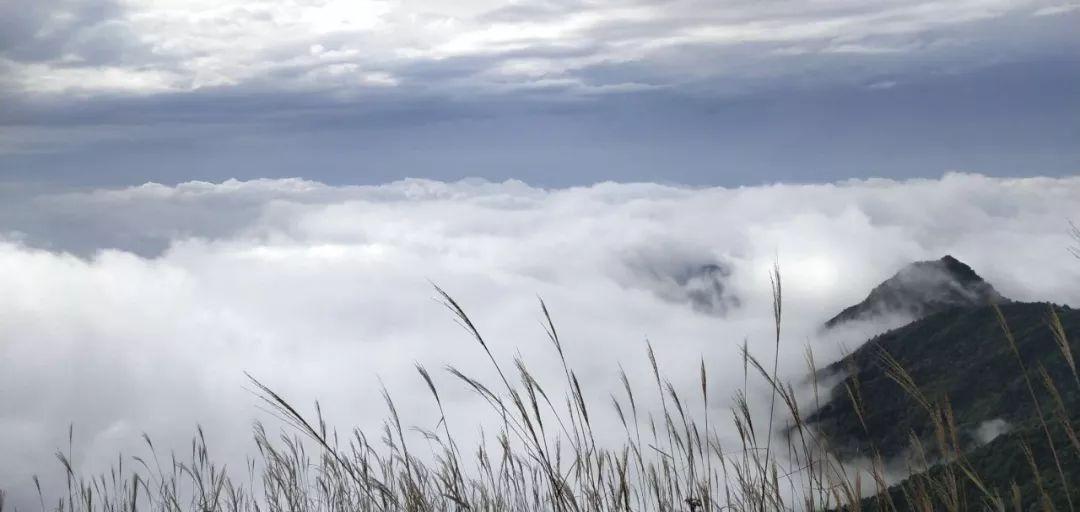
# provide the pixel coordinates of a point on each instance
(139, 309)
(555, 92)
(597, 47)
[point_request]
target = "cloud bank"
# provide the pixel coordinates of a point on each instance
(555, 92)
(567, 46)
(138, 309)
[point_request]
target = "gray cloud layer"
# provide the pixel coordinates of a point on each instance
(584, 47)
(172, 291)
(557, 93)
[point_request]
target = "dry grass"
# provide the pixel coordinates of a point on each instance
(544, 455)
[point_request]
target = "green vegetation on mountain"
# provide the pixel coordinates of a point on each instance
(960, 355)
(999, 400)
(1000, 465)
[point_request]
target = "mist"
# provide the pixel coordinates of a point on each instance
(139, 309)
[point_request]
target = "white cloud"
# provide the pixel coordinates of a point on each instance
(98, 79)
(990, 429)
(320, 290)
(1053, 10)
(186, 45)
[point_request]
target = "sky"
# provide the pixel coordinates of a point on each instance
(554, 93)
(194, 189)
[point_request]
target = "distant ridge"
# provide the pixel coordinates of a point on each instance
(923, 288)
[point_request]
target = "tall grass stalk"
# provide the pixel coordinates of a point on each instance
(544, 454)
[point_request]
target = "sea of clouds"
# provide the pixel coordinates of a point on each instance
(139, 309)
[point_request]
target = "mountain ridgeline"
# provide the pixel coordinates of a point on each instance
(923, 288)
(956, 351)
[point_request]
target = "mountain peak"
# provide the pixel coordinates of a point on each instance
(923, 288)
(959, 270)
